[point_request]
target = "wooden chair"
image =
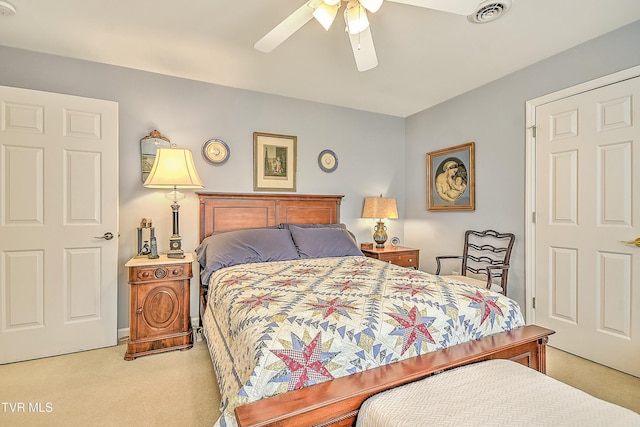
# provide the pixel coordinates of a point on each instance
(485, 253)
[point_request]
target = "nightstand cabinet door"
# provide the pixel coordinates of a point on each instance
(159, 319)
(159, 309)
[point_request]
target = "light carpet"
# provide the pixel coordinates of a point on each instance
(178, 388)
(100, 388)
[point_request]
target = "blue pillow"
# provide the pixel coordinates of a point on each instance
(243, 247)
(320, 242)
(318, 225)
(314, 225)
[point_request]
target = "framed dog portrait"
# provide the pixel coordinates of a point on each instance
(451, 180)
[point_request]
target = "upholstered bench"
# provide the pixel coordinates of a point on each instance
(491, 393)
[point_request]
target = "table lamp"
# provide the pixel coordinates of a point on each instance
(174, 168)
(380, 208)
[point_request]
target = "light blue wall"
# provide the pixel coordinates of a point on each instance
(493, 116)
(190, 112)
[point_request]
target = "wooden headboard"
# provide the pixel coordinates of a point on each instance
(236, 211)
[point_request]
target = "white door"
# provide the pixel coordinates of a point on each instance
(587, 204)
(58, 196)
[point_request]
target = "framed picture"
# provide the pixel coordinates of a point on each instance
(451, 182)
(148, 146)
(274, 162)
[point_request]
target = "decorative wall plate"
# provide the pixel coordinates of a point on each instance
(215, 151)
(395, 241)
(328, 161)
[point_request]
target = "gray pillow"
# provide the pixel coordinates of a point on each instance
(320, 242)
(244, 247)
(315, 225)
(318, 225)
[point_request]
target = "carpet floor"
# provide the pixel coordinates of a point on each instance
(178, 388)
(100, 388)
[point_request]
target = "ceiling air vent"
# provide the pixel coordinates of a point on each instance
(6, 8)
(489, 11)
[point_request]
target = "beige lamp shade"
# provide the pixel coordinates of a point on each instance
(173, 168)
(380, 207)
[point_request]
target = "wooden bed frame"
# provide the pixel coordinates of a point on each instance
(336, 402)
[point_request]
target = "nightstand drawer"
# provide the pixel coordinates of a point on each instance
(397, 255)
(401, 260)
(153, 273)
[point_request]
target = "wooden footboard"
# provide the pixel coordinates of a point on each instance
(336, 402)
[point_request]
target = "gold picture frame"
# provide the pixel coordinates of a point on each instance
(274, 162)
(148, 146)
(451, 179)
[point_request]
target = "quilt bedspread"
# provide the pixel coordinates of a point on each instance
(278, 326)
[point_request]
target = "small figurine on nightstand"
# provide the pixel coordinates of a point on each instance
(145, 249)
(154, 249)
(143, 245)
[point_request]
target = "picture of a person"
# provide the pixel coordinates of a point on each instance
(452, 181)
(275, 163)
(457, 187)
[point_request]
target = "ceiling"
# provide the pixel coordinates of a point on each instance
(425, 56)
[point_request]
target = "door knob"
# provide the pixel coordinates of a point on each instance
(106, 236)
(633, 242)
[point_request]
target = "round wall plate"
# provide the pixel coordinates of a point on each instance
(395, 241)
(215, 151)
(328, 161)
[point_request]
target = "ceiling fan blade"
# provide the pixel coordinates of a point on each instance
(459, 7)
(285, 29)
(363, 50)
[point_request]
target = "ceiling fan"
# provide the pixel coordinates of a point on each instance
(357, 24)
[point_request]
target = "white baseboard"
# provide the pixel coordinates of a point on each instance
(123, 334)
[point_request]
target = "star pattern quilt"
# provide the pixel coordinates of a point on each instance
(279, 326)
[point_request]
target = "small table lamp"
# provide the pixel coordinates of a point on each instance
(380, 208)
(174, 168)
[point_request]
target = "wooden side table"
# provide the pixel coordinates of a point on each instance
(159, 319)
(398, 255)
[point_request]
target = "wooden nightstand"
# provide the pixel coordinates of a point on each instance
(398, 255)
(159, 319)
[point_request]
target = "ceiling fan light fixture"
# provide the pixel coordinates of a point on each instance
(325, 14)
(371, 5)
(356, 17)
(332, 2)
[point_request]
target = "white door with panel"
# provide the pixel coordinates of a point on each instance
(587, 206)
(58, 224)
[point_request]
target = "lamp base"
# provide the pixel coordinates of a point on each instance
(175, 254)
(175, 247)
(175, 241)
(380, 235)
